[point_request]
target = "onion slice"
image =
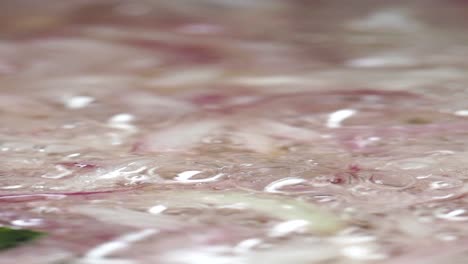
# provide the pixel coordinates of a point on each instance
(180, 137)
(283, 208)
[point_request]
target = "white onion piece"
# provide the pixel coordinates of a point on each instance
(123, 171)
(276, 185)
(78, 102)
(186, 177)
(126, 217)
(122, 242)
(362, 252)
(288, 227)
(336, 118)
(247, 245)
(180, 137)
(256, 142)
(285, 131)
(122, 121)
(157, 209)
(262, 137)
(386, 19)
(218, 254)
(184, 77)
(61, 172)
(283, 208)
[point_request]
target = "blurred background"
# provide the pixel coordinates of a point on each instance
(167, 44)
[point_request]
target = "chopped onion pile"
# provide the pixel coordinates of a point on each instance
(231, 132)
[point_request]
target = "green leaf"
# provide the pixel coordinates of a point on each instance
(10, 237)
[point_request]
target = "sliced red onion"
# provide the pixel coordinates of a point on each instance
(181, 137)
